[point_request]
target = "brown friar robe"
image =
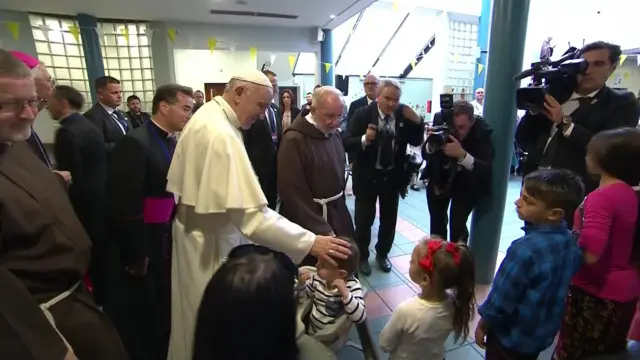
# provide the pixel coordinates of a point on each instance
(311, 165)
(44, 252)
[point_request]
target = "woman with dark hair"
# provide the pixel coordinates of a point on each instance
(249, 311)
(288, 109)
(603, 294)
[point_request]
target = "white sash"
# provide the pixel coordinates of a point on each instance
(49, 304)
(324, 202)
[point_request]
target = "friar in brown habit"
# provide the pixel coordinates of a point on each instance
(46, 313)
(311, 169)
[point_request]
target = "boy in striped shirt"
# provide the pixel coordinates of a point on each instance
(334, 290)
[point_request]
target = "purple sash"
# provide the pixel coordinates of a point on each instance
(158, 210)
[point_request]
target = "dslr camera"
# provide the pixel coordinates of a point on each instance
(556, 78)
(440, 134)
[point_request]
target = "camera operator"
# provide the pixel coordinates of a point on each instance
(458, 172)
(557, 138)
(377, 137)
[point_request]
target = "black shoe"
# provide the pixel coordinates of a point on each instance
(384, 263)
(365, 268)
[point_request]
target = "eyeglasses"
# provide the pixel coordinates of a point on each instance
(17, 106)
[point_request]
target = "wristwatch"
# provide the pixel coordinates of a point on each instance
(566, 119)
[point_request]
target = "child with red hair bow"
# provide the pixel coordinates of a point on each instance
(419, 327)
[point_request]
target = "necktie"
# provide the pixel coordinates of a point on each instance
(121, 120)
(386, 148)
(584, 101)
(272, 124)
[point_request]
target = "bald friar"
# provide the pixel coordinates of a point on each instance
(221, 204)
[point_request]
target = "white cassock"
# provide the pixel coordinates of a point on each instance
(220, 206)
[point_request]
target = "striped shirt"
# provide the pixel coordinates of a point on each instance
(328, 305)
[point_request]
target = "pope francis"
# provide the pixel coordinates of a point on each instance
(221, 204)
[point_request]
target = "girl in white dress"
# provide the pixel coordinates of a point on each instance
(420, 326)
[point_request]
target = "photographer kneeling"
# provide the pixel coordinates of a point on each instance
(459, 153)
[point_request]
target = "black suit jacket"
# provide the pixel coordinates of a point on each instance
(262, 153)
(110, 130)
(355, 105)
(364, 159)
(79, 149)
(477, 144)
(137, 120)
(612, 109)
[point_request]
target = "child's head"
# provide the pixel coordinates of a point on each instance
(615, 153)
(438, 265)
(345, 268)
(548, 195)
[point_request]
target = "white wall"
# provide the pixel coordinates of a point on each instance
(195, 67)
(195, 37)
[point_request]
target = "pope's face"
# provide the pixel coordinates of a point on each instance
(252, 102)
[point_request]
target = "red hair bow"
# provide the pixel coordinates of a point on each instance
(426, 263)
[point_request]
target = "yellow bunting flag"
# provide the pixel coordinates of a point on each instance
(125, 33)
(622, 59)
(413, 63)
(396, 6)
(171, 33)
(626, 76)
(480, 68)
(75, 32)
(254, 52)
(292, 61)
(212, 44)
(14, 29)
(327, 67)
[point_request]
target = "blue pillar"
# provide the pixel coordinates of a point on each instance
(326, 57)
(506, 46)
(484, 28)
(92, 52)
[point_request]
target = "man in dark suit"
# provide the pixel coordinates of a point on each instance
(262, 142)
(105, 114)
(377, 136)
(558, 137)
(371, 83)
(136, 116)
(79, 149)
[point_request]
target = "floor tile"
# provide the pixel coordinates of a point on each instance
(394, 296)
(466, 352)
(379, 279)
(375, 306)
(414, 235)
(401, 263)
(404, 225)
(407, 248)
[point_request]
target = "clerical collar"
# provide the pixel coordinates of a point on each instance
(313, 122)
(228, 111)
(169, 133)
(110, 110)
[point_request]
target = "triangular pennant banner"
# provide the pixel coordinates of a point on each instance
(253, 51)
(125, 33)
(212, 42)
(413, 63)
(396, 6)
(272, 59)
(75, 32)
(327, 67)
(622, 59)
(14, 29)
(292, 61)
(626, 76)
(45, 31)
(480, 68)
(149, 34)
(171, 33)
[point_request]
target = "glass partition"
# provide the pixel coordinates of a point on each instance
(341, 33)
(307, 64)
(413, 35)
(375, 29)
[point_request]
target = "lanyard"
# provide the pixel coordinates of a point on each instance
(168, 153)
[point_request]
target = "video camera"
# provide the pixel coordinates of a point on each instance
(556, 78)
(440, 134)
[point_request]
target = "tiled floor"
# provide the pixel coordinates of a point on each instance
(387, 290)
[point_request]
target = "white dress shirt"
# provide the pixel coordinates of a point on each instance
(568, 108)
(110, 111)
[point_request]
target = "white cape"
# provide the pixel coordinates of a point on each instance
(220, 206)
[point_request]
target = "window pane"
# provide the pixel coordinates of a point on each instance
(138, 85)
(125, 64)
(60, 61)
(148, 96)
(127, 86)
(146, 63)
(113, 63)
(341, 33)
(69, 39)
(147, 74)
(135, 63)
(42, 48)
(375, 29)
(134, 52)
(123, 51)
(73, 50)
(144, 52)
(110, 51)
(414, 34)
(58, 49)
(79, 85)
(136, 74)
(427, 68)
(126, 75)
(110, 40)
(307, 64)
(115, 73)
(148, 85)
(62, 74)
(45, 58)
